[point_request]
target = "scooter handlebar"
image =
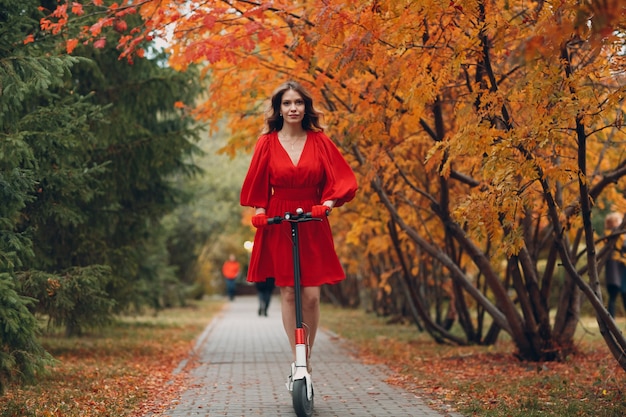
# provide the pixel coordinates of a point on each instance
(291, 217)
(274, 220)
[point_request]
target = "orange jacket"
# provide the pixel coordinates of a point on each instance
(230, 269)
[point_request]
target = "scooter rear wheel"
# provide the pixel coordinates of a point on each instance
(301, 404)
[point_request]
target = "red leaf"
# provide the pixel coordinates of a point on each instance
(100, 43)
(70, 45)
(77, 8)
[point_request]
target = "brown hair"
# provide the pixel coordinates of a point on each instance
(274, 121)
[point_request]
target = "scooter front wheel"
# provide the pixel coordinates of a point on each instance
(302, 405)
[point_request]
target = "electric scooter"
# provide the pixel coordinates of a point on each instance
(299, 384)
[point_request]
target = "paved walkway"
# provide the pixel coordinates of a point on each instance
(243, 362)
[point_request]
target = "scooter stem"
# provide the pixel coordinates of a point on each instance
(296, 273)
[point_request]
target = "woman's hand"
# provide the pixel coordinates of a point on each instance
(259, 220)
(320, 211)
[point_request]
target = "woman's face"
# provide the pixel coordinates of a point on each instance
(292, 107)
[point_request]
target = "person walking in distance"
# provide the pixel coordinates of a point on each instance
(615, 267)
(295, 165)
(230, 271)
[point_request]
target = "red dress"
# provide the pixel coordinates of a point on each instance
(276, 184)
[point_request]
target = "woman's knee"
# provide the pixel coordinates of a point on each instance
(311, 297)
(288, 295)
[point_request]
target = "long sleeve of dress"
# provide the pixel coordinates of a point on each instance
(341, 184)
(255, 191)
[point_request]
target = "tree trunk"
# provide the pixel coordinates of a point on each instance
(567, 315)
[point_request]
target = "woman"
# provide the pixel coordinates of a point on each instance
(615, 268)
(295, 165)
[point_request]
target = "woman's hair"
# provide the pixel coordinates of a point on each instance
(273, 119)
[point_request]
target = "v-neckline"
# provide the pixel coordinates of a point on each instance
(296, 163)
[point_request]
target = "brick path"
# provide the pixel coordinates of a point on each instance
(243, 362)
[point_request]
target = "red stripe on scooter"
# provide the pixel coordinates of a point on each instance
(300, 339)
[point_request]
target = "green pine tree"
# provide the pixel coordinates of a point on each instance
(89, 146)
(104, 186)
(26, 74)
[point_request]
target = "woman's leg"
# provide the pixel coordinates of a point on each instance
(288, 312)
(310, 313)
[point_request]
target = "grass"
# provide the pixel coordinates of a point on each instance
(117, 372)
(489, 380)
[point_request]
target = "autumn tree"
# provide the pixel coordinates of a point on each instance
(487, 133)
